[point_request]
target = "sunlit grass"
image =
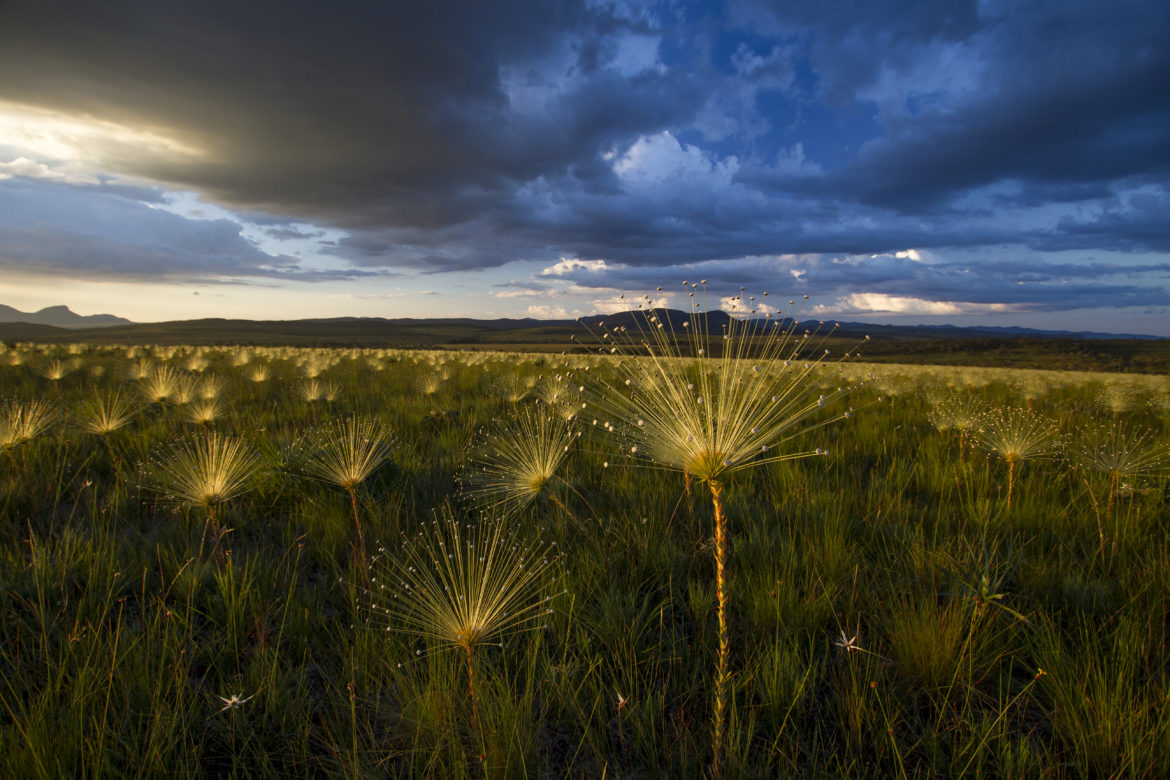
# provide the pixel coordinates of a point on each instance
(886, 615)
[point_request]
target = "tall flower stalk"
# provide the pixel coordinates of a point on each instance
(464, 587)
(1017, 434)
(1121, 453)
(346, 454)
(204, 472)
(711, 399)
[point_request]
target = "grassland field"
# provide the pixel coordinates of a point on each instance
(893, 610)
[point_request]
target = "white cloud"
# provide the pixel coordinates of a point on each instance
(544, 311)
(659, 159)
(23, 166)
(881, 303)
(568, 265)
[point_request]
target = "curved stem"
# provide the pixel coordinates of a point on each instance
(722, 673)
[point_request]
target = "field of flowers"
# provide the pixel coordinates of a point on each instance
(758, 560)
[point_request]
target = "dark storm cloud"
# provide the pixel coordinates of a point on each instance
(1059, 93)
(87, 232)
(461, 134)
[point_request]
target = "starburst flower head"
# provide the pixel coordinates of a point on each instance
(104, 414)
(160, 383)
(1016, 434)
(1121, 451)
(205, 412)
(22, 421)
(55, 370)
(204, 471)
(210, 388)
(313, 390)
(464, 586)
(259, 373)
(516, 460)
(956, 410)
(714, 394)
(348, 452)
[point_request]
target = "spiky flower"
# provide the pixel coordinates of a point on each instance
(712, 414)
(259, 373)
(139, 369)
(1016, 434)
(709, 401)
(160, 384)
(204, 472)
(959, 411)
(1121, 453)
(346, 454)
(431, 384)
(55, 370)
(209, 388)
(514, 388)
(461, 587)
(956, 410)
(517, 461)
(205, 412)
(22, 421)
(184, 392)
(105, 413)
(311, 390)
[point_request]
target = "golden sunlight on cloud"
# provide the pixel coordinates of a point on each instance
(85, 142)
(880, 303)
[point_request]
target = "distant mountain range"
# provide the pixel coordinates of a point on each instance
(451, 330)
(60, 317)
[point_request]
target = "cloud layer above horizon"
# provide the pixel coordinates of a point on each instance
(924, 159)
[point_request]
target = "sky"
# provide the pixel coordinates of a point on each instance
(1002, 163)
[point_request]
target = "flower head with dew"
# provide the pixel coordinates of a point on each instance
(1016, 434)
(103, 414)
(346, 454)
(1122, 453)
(713, 395)
(959, 411)
(463, 587)
(204, 472)
(22, 421)
(709, 395)
(516, 461)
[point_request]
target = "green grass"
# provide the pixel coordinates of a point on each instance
(121, 636)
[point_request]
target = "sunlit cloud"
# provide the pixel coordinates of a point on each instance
(881, 303)
(568, 265)
(91, 144)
